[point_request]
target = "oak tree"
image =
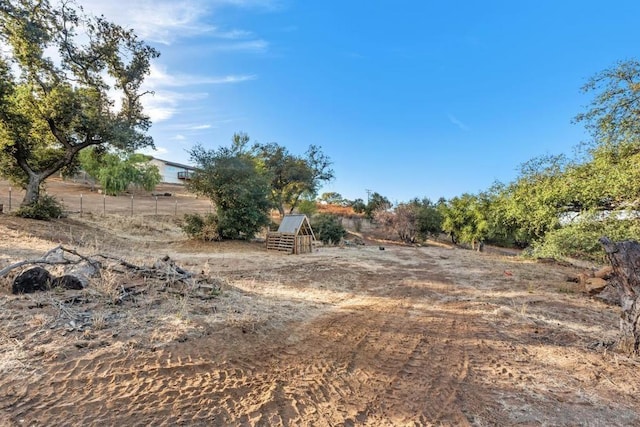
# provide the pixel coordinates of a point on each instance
(293, 176)
(237, 186)
(67, 81)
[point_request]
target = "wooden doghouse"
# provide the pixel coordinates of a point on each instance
(294, 236)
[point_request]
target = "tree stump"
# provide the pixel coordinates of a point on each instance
(32, 280)
(625, 262)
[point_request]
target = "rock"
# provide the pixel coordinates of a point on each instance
(32, 280)
(583, 278)
(604, 272)
(82, 272)
(594, 285)
(68, 282)
(609, 295)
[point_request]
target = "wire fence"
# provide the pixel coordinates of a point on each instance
(158, 204)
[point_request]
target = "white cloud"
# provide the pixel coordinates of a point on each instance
(160, 21)
(167, 21)
(246, 45)
(164, 21)
(190, 127)
(159, 77)
(455, 121)
(163, 104)
(154, 152)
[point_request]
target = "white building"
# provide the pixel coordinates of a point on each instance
(173, 173)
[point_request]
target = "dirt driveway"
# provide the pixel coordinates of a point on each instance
(344, 336)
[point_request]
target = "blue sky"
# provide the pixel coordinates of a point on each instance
(408, 98)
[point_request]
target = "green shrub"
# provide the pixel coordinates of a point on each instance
(580, 239)
(204, 228)
(307, 207)
(328, 228)
(46, 208)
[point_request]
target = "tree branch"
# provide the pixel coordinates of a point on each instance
(43, 260)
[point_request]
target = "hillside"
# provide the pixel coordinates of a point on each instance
(343, 336)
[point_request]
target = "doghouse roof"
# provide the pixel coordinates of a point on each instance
(296, 224)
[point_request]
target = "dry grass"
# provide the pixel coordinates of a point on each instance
(271, 313)
(14, 358)
(344, 211)
(107, 285)
(99, 320)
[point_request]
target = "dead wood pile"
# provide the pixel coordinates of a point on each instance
(79, 270)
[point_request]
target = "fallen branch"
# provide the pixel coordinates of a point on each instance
(45, 261)
(164, 270)
(121, 262)
(63, 309)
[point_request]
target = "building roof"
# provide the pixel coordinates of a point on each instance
(177, 165)
(296, 224)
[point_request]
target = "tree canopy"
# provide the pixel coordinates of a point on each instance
(561, 205)
(292, 176)
(614, 113)
(115, 171)
(53, 107)
(238, 187)
(377, 202)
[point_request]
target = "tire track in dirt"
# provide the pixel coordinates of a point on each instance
(389, 354)
(375, 363)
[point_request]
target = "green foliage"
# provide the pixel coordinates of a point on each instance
(532, 203)
(237, 186)
(580, 238)
(377, 202)
(604, 182)
(332, 198)
(358, 206)
(307, 207)
(199, 227)
(115, 171)
(45, 208)
(292, 177)
(608, 179)
(428, 217)
(614, 113)
(466, 218)
(51, 110)
(328, 228)
(412, 220)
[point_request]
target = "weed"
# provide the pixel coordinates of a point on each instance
(99, 320)
(107, 285)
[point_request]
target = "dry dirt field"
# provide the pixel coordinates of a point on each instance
(343, 336)
(77, 196)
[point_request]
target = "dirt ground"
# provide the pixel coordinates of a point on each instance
(347, 336)
(79, 196)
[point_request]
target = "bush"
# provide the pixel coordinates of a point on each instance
(46, 208)
(204, 228)
(328, 229)
(307, 207)
(580, 239)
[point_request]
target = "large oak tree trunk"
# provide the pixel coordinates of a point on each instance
(32, 190)
(625, 261)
